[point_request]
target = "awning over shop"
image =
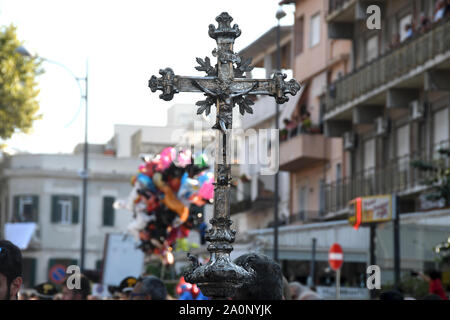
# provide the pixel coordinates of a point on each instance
(20, 233)
(290, 106)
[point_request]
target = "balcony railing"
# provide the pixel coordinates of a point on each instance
(335, 5)
(397, 176)
(287, 134)
(410, 54)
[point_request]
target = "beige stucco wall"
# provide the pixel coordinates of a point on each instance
(312, 59)
(319, 65)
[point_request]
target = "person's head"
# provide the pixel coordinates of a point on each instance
(296, 290)
(301, 292)
(80, 293)
(287, 294)
(126, 287)
(149, 288)
(58, 296)
(10, 270)
(392, 295)
(268, 284)
(286, 121)
(407, 27)
(435, 274)
(46, 291)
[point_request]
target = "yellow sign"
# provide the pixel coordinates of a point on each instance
(371, 209)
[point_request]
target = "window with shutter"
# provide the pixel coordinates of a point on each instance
(371, 48)
(108, 211)
(298, 34)
(314, 30)
(75, 209)
(26, 208)
(65, 209)
(16, 215)
(56, 211)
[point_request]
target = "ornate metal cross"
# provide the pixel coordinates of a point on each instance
(225, 85)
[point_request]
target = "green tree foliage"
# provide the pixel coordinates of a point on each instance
(18, 86)
(439, 177)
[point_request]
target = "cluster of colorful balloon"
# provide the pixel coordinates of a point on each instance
(168, 198)
(188, 291)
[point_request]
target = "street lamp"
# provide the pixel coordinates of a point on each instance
(279, 15)
(82, 173)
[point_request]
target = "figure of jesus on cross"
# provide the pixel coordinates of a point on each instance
(225, 85)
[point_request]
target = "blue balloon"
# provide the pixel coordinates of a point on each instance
(201, 296)
(187, 295)
(147, 182)
(203, 178)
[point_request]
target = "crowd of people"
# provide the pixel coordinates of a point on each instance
(296, 125)
(441, 11)
(269, 284)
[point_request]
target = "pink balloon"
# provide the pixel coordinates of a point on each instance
(167, 156)
(207, 190)
(184, 158)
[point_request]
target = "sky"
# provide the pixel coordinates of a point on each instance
(121, 44)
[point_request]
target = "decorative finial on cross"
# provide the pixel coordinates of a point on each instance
(225, 86)
(224, 31)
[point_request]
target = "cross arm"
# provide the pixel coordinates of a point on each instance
(170, 84)
(275, 87)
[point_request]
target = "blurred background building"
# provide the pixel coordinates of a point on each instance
(375, 100)
(41, 194)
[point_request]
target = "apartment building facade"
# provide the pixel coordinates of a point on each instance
(324, 163)
(392, 107)
(312, 158)
(253, 200)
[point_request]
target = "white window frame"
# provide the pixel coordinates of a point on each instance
(311, 24)
(23, 201)
(403, 21)
(369, 54)
(402, 141)
(369, 162)
(303, 203)
(66, 211)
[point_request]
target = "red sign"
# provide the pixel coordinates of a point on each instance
(335, 257)
(57, 274)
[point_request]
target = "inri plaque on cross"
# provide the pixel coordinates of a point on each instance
(225, 85)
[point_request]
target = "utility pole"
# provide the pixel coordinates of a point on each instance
(313, 262)
(279, 15)
(84, 174)
(396, 228)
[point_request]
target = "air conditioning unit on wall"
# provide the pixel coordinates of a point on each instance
(381, 126)
(349, 140)
(416, 110)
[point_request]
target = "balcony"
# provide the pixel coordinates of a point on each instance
(301, 150)
(398, 176)
(341, 10)
(402, 67)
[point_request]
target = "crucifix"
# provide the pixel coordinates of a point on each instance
(224, 85)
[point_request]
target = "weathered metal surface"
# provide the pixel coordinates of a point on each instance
(224, 86)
